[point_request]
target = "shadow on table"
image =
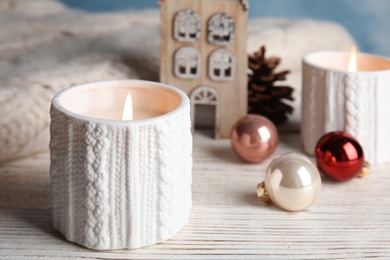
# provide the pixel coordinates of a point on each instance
(25, 199)
(251, 199)
(293, 141)
(225, 154)
(36, 223)
(39, 219)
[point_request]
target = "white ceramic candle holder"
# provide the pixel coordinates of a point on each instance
(355, 102)
(120, 184)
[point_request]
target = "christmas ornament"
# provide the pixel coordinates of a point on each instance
(263, 97)
(254, 138)
(292, 182)
(340, 157)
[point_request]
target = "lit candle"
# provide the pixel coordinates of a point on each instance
(118, 182)
(128, 108)
(347, 92)
(352, 64)
(103, 104)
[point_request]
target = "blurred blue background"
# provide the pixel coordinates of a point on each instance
(367, 20)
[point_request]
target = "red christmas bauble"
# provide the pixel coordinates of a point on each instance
(339, 156)
(254, 138)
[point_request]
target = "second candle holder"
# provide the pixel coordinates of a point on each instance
(356, 102)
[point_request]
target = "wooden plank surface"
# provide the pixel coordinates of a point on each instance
(349, 220)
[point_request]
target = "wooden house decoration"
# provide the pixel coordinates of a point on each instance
(203, 52)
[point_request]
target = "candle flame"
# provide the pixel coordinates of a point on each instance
(352, 64)
(128, 108)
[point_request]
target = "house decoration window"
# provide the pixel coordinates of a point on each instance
(221, 29)
(187, 63)
(222, 65)
(204, 96)
(186, 26)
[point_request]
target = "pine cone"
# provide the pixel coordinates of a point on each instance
(263, 97)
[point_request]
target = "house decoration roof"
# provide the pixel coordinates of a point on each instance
(244, 3)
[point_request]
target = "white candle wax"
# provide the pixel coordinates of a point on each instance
(108, 103)
(332, 60)
(115, 114)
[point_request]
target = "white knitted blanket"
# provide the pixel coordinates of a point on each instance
(45, 47)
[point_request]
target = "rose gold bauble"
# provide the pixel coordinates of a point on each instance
(254, 138)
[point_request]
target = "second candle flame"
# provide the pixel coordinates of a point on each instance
(352, 64)
(128, 108)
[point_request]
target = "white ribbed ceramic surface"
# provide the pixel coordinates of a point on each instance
(118, 184)
(355, 102)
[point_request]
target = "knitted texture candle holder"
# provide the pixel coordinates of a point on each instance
(118, 184)
(334, 99)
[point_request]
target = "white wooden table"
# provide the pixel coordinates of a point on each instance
(349, 220)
